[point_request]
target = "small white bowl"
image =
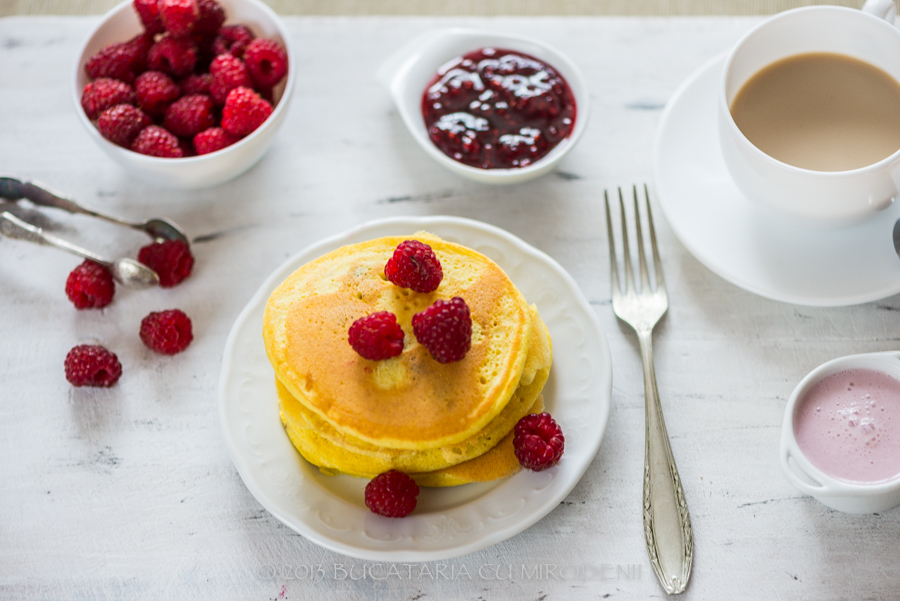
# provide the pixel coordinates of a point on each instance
(408, 72)
(121, 24)
(837, 494)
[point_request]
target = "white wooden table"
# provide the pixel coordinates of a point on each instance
(129, 493)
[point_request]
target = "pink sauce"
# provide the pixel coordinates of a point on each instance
(848, 426)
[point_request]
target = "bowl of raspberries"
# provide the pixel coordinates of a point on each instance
(185, 93)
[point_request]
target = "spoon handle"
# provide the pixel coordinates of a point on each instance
(12, 226)
(13, 189)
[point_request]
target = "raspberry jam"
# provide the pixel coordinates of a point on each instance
(498, 109)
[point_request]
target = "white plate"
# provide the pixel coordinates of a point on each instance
(738, 240)
(447, 522)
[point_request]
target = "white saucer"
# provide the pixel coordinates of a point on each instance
(737, 240)
(329, 510)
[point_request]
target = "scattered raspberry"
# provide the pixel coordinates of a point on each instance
(171, 260)
(538, 441)
(148, 11)
(415, 266)
(90, 286)
(213, 139)
(210, 19)
(196, 83)
(266, 61)
(175, 56)
(377, 336)
(189, 115)
(228, 73)
(155, 91)
(92, 365)
(122, 123)
(392, 494)
(167, 332)
(105, 93)
(179, 16)
(244, 111)
(445, 329)
(233, 40)
(157, 141)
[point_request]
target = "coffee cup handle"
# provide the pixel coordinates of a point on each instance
(883, 9)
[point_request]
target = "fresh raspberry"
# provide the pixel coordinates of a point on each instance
(175, 56)
(138, 48)
(227, 73)
(90, 286)
(171, 260)
(105, 93)
(267, 62)
(179, 16)
(415, 266)
(155, 91)
(213, 139)
(122, 123)
(233, 40)
(392, 494)
(445, 329)
(189, 115)
(244, 111)
(377, 336)
(196, 83)
(92, 365)
(148, 11)
(210, 19)
(167, 332)
(157, 141)
(114, 61)
(538, 441)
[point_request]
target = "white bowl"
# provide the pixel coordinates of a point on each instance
(121, 24)
(409, 71)
(837, 494)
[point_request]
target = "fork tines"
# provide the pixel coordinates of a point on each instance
(630, 282)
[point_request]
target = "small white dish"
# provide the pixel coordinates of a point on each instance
(121, 24)
(742, 243)
(838, 494)
(448, 522)
(407, 73)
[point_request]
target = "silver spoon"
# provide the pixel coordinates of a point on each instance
(125, 271)
(13, 189)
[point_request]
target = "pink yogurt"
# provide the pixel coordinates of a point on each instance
(848, 426)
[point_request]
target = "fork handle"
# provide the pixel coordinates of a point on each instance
(667, 523)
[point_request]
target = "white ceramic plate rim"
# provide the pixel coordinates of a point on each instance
(448, 522)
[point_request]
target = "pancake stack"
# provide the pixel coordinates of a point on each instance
(444, 424)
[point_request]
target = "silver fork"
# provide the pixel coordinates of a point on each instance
(667, 524)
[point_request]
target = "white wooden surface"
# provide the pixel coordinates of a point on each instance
(129, 493)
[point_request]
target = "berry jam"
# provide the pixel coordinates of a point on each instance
(498, 109)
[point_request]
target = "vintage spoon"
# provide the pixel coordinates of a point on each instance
(125, 271)
(13, 189)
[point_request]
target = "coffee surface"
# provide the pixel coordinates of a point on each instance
(821, 111)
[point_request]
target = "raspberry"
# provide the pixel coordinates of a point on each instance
(244, 111)
(392, 494)
(167, 332)
(210, 19)
(213, 139)
(122, 123)
(148, 11)
(114, 61)
(415, 266)
(266, 61)
(155, 91)
(139, 47)
(233, 40)
(377, 336)
(90, 285)
(179, 16)
(175, 56)
(105, 93)
(157, 141)
(227, 73)
(171, 260)
(92, 365)
(445, 329)
(189, 115)
(195, 83)
(538, 441)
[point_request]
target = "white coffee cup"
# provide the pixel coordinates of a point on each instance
(815, 199)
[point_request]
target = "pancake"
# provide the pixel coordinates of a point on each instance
(410, 401)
